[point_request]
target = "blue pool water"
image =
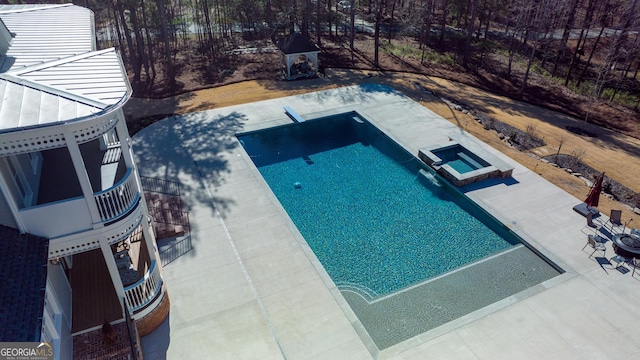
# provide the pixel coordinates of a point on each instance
(461, 166)
(375, 223)
(460, 159)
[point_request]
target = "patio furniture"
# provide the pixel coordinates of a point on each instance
(635, 263)
(596, 244)
(584, 209)
(619, 260)
(615, 219)
(590, 224)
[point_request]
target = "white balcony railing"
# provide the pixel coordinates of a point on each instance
(119, 199)
(145, 290)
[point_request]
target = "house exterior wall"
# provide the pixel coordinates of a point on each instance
(47, 106)
(56, 326)
(6, 216)
(11, 190)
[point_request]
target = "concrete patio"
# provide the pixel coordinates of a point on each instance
(252, 289)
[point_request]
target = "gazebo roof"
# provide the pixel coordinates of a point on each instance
(296, 43)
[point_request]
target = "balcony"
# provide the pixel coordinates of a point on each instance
(70, 216)
(144, 291)
(119, 199)
(59, 180)
(94, 296)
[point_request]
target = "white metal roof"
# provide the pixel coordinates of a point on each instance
(51, 71)
(46, 33)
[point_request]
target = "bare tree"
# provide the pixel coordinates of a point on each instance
(569, 15)
(604, 22)
(443, 21)
(470, 29)
(352, 35)
(379, 6)
(620, 40)
(586, 26)
(540, 18)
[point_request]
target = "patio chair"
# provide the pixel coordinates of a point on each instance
(594, 242)
(619, 260)
(635, 263)
(590, 225)
(615, 219)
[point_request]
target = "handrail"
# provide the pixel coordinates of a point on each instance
(161, 186)
(119, 199)
(176, 250)
(141, 293)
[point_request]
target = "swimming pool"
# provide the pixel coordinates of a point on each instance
(386, 228)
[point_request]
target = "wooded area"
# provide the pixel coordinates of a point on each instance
(588, 46)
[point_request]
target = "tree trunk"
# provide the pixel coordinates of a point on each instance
(330, 17)
(427, 24)
(292, 17)
(467, 46)
(620, 40)
(135, 62)
(569, 24)
(167, 46)
(376, 35)
(541, 17)
(152, 76)
(593, 51)
(486, 33)
(393, 9)
(304, 26)
(581, 39)
(443, 23)
(318, 24)
(121, 44)
(353, 28)
(137, 32)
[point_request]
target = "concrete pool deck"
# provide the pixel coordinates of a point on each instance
(251, 288)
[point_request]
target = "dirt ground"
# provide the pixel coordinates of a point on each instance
(614, 153)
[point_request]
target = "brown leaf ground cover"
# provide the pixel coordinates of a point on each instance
(546, 110)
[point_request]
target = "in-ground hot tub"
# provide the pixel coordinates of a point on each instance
(464, 164)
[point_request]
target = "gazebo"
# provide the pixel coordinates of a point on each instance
(299, 56)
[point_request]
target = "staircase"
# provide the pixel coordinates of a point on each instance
(165, 207)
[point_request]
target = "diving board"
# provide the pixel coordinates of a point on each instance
(293, 115)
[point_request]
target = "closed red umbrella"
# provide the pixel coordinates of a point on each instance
(594, 194)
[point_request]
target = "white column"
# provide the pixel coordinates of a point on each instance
(123, 136)
(113, 270)
(83, 177)
(150, 241)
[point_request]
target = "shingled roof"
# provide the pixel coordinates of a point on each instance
(23, 278)
(296, 43)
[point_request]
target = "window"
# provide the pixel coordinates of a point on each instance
(20, 182)
(35, 159)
